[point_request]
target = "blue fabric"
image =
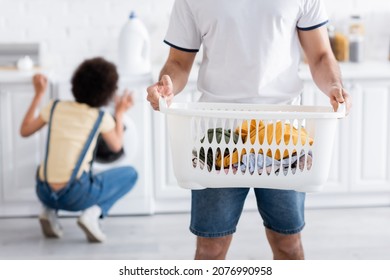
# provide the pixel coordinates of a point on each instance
(103, 189)
(216, 212)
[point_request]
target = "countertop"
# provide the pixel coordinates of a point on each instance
(350, 71)
(13, 75)
(364, 70)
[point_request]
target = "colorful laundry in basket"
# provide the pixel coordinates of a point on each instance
(249, 163)
(256, 133)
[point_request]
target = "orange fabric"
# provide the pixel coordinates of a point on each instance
(287, 136)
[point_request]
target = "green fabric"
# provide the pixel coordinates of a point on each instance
(218, 136)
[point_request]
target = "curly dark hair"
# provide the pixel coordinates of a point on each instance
(94, 82)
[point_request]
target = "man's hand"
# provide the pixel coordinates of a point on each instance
(338, 94)
(124, 103)
(40, 85)
(163, 88)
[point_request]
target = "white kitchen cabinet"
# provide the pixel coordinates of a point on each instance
(360, 170)
(19, 157)
(359, 174)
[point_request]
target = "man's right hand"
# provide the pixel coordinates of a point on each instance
(163, 88)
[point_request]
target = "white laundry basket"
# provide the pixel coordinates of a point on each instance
(209, 149)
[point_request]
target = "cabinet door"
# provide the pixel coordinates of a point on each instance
(19, 156)
(370, 138)
(338, 172)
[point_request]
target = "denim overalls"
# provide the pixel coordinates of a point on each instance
(103, 189)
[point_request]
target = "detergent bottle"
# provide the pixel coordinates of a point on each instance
(134, 48)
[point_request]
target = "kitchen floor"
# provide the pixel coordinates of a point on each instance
(330, 234)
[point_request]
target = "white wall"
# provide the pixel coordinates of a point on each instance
(72, 30)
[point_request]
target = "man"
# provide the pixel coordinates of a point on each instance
(251, 53)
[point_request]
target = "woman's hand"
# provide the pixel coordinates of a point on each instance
(124, 102)
(40, 85)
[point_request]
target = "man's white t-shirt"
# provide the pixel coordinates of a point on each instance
(251, 50)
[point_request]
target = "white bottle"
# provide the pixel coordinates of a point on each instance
(134, 48)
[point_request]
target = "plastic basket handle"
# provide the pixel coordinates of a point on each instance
(342, 109)
(163, 106)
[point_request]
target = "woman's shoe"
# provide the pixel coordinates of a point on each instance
(50, 225)
(89, 223)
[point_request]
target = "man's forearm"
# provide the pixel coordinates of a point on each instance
(326, 73)
(178, 74)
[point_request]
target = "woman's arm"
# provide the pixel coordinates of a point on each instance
(114, 138)
(32, 123)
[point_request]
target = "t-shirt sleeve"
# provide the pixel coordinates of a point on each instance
(183, 33)
(313, 15)
(45, 112)
(108, 123)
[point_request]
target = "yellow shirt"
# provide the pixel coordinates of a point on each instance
(72, 124)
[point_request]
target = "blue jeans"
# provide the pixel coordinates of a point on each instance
(103, 189)
(216, 212)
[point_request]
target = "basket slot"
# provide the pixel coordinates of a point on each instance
(210, 159)
(239, 129)
(209, 130)
(244, 161)
(301, 160)
(287, 140)
(304, 135)
(278, 141)
(268, 166)
(218, 160)
(309, 158)
(202, 158)
(227, 168)
(219, 125)
(202, 130)
(260, 137)
(286, 162)
(293, 168)
(260, 162)
(276, 162)
(195, 158)
(252, 159)
(269, 129)
(300, 136)
(234, 169)
(228, 126)
(253, 132)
